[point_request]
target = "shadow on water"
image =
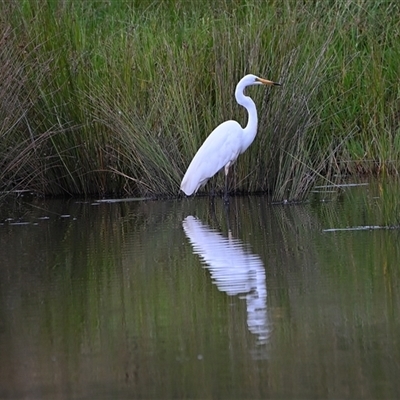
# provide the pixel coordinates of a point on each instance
(110, 300)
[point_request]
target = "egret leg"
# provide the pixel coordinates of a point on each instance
(213, 191)
(211, 197)
(226, 194)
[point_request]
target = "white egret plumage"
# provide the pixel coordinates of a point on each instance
(224, 144)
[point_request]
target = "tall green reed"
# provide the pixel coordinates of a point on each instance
(120, 95)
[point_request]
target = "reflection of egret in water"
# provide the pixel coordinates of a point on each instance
(234, 270)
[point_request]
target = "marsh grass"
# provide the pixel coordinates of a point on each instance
(114, 98)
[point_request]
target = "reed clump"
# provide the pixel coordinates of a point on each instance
(114, 98)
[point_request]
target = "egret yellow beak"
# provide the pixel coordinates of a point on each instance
(267, 82)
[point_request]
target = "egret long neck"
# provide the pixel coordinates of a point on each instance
(250, 130)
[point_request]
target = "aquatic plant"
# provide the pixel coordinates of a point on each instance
(114, 98)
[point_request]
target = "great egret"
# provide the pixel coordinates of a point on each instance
(225, 142)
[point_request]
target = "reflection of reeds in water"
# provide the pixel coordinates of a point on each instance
(235, 271)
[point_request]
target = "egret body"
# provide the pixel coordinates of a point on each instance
(224, 144)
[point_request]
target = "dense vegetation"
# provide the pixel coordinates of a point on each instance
(112, 97)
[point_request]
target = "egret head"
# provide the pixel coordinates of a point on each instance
(255, 80)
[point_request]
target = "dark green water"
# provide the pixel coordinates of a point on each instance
(169, 299)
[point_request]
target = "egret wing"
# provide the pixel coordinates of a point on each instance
(221, 147)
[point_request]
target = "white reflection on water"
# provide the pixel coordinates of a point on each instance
(234, 269)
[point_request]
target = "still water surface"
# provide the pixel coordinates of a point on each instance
(175, 299)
